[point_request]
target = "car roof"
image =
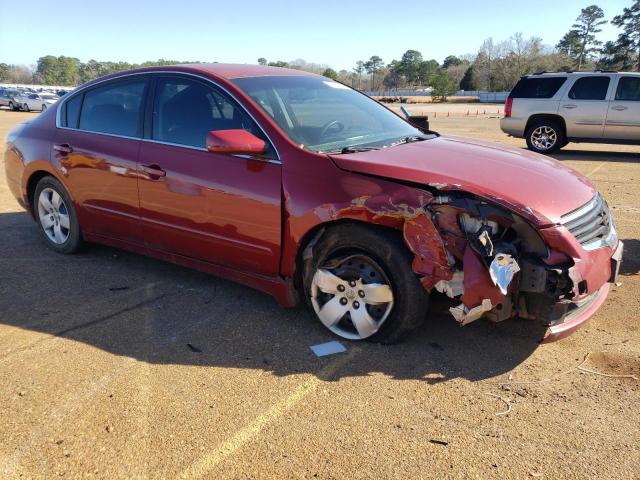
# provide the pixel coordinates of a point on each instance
(226, 71)
(600, 72)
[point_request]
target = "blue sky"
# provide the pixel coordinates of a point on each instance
(335, 32)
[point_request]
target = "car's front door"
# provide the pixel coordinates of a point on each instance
(584, 106)
(623, 119)
(97, 148)
(219, 208)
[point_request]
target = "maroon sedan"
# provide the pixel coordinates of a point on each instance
(306, 189)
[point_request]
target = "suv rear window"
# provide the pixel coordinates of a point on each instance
(539, 87)
(590, 88)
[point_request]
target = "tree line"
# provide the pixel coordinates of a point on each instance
(496, 66)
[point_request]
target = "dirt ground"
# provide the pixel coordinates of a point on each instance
(114, 365)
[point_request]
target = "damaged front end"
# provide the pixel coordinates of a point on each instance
(502, 267)
(494, 260)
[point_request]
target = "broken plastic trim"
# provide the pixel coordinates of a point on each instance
(465, 316)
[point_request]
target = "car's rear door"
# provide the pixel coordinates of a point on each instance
(219, 208)
(623, 119)
(97, 145)
(584, 106)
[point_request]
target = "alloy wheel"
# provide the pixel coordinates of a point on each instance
(54, 216)
(352, 296)
(544, 138)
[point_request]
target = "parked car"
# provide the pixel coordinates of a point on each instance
(10, 98)
(550, 110)
(301, 187)
(37, 101)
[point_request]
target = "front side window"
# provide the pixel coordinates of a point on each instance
(186, 110)
(628, 89)
(114, 109)
(326, 116)
(590, 88)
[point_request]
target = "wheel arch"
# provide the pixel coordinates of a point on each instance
(32, 183)
(315, 233)
(546, 116)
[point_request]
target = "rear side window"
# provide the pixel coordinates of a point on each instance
(590, 88)
(628, 89)
(545, 87)
(114, 109)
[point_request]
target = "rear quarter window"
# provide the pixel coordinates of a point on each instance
(545, 87)
(71, 112)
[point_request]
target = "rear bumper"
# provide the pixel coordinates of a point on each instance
(513, 126)
(583, 310)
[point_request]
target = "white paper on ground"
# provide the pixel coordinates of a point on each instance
(328, 348)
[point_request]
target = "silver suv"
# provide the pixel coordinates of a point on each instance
(550, 110)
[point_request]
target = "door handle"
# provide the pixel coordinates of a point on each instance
(63, 148)
(619, 108)
(154, 171)
(570, 106)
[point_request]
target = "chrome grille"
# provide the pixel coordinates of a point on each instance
(591, 224)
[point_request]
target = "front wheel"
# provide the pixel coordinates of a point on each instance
(44, 107)
(57, 216)
(360, 284)
(546, 137)
(25, 107)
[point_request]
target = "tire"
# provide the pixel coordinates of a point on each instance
(12, 107)
(44, 107)
(546, 136)
(56, 216)
(339, 277)
(25, 107)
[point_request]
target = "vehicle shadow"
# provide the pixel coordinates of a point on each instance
(595, 155)
(155, 312)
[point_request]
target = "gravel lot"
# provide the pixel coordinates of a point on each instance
(114, 365)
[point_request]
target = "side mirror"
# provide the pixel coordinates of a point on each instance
(421, 122)
(235, 141)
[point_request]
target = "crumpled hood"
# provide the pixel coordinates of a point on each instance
(537, 187)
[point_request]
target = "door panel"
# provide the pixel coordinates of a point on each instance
(623, 118)
(584, 107)
(98, 151)
(102, 178)
(221, 209)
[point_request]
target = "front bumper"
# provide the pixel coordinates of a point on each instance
(582, 310)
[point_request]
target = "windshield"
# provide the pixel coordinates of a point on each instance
(327, 116)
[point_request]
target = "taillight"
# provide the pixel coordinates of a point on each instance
(508, 105)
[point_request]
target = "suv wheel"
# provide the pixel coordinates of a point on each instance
(360, 284)
(12, 107)
(545, 136)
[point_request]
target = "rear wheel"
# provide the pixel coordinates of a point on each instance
(360, 284)
(57, 216)
(25, 107)
(12, 106)
(545, 136)
(44, 107)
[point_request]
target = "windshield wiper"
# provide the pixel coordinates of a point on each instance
(356, 149)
